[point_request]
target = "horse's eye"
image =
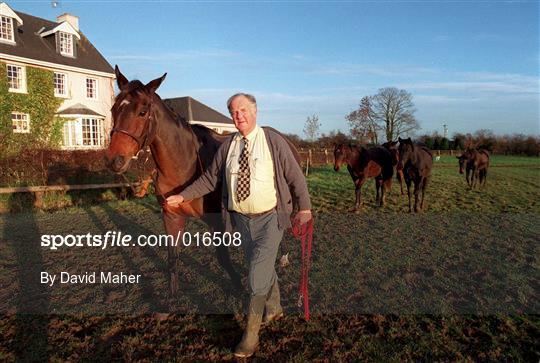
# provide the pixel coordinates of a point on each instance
(142, 113)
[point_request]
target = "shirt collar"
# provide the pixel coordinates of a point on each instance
(250, 136)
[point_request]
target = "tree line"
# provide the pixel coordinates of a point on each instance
(390, 114)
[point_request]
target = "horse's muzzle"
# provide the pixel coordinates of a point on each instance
(336, 167)
(118, 164)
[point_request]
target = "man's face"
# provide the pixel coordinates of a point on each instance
(244, 114)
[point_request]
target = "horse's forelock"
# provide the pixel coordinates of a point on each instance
(133, 89)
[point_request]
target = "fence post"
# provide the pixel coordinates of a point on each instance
(325, 156)
(310, 156)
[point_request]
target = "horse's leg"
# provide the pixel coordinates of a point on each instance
(174, 224)
(399, 177)
(358, 192)
(467, 173)
(377, 189)
(417, 186)
(387, 186)
(408, 183)
(424, 186)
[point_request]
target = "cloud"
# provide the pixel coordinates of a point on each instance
(175, 56)
(481, 83)
(383, 71)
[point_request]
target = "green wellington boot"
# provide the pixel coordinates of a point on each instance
(273, 309)
(250, 340)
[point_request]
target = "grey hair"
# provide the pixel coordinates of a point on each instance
(250, 98)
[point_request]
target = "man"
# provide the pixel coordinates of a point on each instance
(259, 173)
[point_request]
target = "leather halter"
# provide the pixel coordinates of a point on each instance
(142, 140)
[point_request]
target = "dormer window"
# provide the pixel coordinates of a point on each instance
(65, 37)
(6, 29)
(66, 44)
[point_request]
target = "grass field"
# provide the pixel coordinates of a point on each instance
(457, 282)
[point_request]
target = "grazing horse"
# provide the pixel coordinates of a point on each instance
(363, 164)
(181, 153)
(416, 162)
(393, 148)
(476, 164)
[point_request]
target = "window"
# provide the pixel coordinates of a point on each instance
(21, 122)
(6, 29)
(91, 88)
(60, 85)
(84, 132)
(92, 132)
(66, 44)
(16, 79)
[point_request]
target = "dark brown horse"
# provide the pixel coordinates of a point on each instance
(181, 153)
(475, 163)
(363, 164)
(416, 162)
(392, 146)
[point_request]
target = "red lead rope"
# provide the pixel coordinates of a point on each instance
(304, 232)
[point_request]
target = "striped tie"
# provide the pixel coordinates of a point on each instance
(242, 187)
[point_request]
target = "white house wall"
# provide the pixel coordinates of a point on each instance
(77, 94)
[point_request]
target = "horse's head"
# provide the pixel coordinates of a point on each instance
(392, 147)
(405, 151)
(340, 155)
(133, 121)
(464, 158)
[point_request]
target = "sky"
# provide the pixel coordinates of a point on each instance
(469, 65)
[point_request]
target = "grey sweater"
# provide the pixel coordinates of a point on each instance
(288, 176)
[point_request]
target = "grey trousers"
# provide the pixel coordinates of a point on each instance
(260, 239)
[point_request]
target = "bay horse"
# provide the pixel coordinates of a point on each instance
(392, 146)
(416, 162)
(475, 163)
(363, 164)
(181, 153)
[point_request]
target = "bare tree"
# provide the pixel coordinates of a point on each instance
(393, 110)
(363, 125)
(311, 127)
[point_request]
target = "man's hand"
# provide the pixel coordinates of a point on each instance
(175, 200)
(302, 217)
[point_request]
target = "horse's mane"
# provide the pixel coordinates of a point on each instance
(426, 149)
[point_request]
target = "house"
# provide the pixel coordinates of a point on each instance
(196, 112)
(82, 79)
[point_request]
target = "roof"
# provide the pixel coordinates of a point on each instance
(29, 44)
(192, 110)
(78, 109)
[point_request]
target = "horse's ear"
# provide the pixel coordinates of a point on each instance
(152, 86)
(400, 140)
(120, 78)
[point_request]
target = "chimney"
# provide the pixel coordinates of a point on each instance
(71, 19)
